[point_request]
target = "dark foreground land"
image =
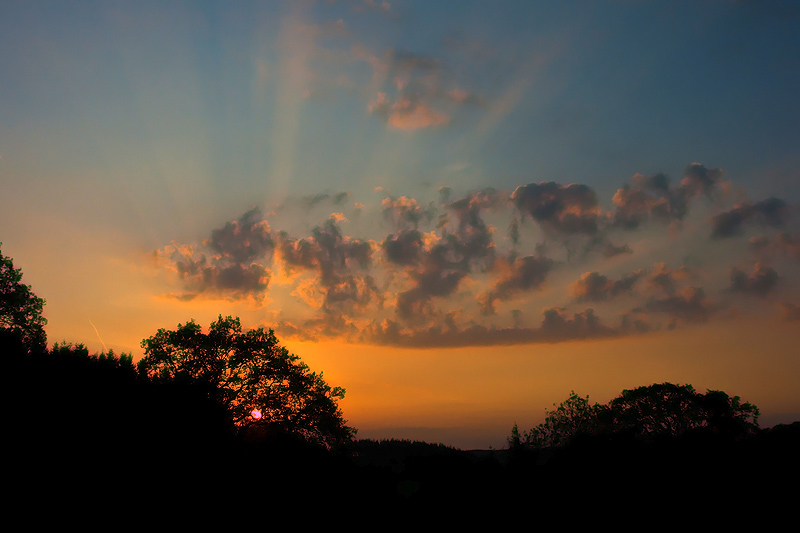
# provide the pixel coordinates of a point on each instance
(89, 443)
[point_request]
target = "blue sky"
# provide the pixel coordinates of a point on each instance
(411, 177)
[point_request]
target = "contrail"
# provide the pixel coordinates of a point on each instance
(98, 335)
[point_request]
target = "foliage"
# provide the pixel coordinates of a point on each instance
(572, 417)
(671, 410)
(655, 411)
(108, 359)
(249, 373)
(20, 309)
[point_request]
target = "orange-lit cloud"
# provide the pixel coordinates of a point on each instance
(428, 273)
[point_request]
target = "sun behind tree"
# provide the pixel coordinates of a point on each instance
(249, 372)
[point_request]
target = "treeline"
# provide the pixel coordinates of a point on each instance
(90, 428)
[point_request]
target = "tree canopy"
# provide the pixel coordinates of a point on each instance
(654, 411)
(255, 378)
(20, 309)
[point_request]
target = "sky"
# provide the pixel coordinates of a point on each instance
(460, 211)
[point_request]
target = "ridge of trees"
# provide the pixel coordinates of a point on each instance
(658, 411)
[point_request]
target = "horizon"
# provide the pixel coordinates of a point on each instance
(457, 213)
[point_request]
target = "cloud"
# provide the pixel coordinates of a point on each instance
(789, 311)
(771, 212)
(788, 244)
(406, 213)
(761, 281)
(559, 208)
(689, 304)
(407, 114)
(599, 243)
(434, 273)
(313, 200)
(697, 180)
(339, 262)
(784, 243)
(515, 276)
(231, 265)
(444, 261)
(412, 91)
(405, 248)
(595, 287)
(634, 323)
(244, 239)
(652, 198)
(556, 326)
(664, 279)
(647, 197)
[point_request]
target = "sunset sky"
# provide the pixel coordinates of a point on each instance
(458, 211)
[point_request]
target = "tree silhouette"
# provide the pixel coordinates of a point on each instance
(660, 410)
(572, 417)
(20, 309)
(668, 410)
(257, 380)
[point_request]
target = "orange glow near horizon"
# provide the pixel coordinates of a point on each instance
(404, 393)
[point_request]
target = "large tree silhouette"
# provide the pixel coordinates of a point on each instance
(668, 410)
(661, 410)
(256, 379)
(20, 309)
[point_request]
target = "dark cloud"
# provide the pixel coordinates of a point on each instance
(468, 209)
(444, 194)
(634, 323)
(595, 287)
(606, 248)
(651, 197)
(219, 278)
(405, 248)
(315, 199)
(689, 304)
(761, 281)
(339, 262)
(771, 212)
(435, 277)
(569, 209)
(515, 276)
(784, 244)
(556, 326)
(312, 201)
(788, 244)
(448, 259)
(242, 240)
(664, 279)
(231, 266)
(789, 311)
(698, 180)
(406, 213)
(645, 198)
(513, 231)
